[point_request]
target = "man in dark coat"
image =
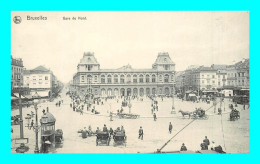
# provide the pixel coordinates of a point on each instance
(154, 117)
(170, 128)
(183, 147)
(105, 128)
(206, 141)
(141, 133)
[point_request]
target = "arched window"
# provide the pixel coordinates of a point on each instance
(160, 78)
(147, 78)
(166, 78)
(103, 79)
(135, 78)
(89, 79)
(122, 79)
(115, 78)
(109, 79)
(172, 78)
(82, 78)
(153, 78)
(128, 79)
(141, 79)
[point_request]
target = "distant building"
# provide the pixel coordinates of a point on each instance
(214, 78)
(179, 81)
(40, 80)
(16, 72)
(125, 81)
(238, 75)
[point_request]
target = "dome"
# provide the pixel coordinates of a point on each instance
(47, 118)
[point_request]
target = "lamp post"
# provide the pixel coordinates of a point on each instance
(22, 148)
(36, 128)
(20, 111)
(173, 107)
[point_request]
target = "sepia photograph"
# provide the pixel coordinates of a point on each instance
(130, 82)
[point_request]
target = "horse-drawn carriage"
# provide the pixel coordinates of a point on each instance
(58, 136)
(86, 133)
(128, 116)
(234, 115)
(197, 114)
(119, 138)
(103, 138)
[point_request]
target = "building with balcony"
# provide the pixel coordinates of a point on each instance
(16, 72)
(125, 81)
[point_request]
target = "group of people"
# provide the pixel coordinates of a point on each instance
(111, 131)
(205, 146)
(59, 103)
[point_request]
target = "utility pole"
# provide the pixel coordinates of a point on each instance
(173, 106)
(36, 129)
(20, 111)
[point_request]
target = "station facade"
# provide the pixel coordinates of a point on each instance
(124, 81)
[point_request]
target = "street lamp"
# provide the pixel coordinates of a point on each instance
(22, 148)
(173, 107)
(35, 128)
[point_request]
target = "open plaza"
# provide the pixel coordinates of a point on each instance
(233, 136)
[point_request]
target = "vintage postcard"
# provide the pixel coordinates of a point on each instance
(129, 82)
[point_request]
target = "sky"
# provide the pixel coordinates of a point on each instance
(124, 37)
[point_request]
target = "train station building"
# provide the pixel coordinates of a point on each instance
(124, 81)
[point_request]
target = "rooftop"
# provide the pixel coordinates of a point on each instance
(88, 58)
(38, 70)
(163, 58)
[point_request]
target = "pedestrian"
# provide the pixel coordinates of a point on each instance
(111, 132)
(183, 147)
(244, 106)
(122, 129)
(84, 133)
(111, 116)
(105, 128)
(170, 128)
(141, 133)
(81, 112)
(31, 125)
(206, 141)
(154, 117)
(97, 131)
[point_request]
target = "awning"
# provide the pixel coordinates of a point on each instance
(209, 91)
(192, 94)
(244, 89)
(28, 96)
(14, 98)
(44, 94)
(39, 94)
(17, 95)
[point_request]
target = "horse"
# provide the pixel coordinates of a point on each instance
(185, 113)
